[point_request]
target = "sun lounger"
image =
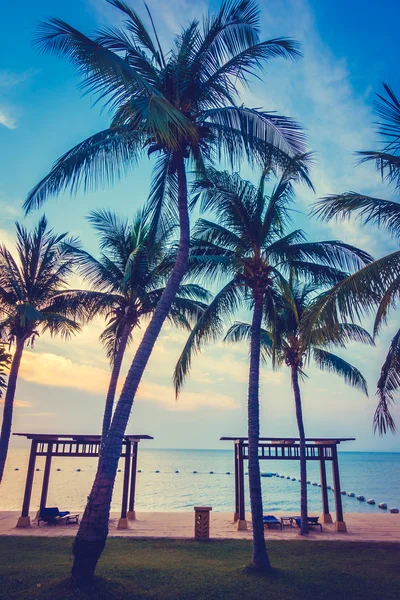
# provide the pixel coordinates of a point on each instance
(271, 521)
(53, 515)
(312, 522)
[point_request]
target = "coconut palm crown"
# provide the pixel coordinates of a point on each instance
(284, 342)
(250, 250)
(127, 281)
(377, 286)
(33, 300)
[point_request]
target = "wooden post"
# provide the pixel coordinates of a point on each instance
(46, 476)
(241, 523)
(236, 453)
(326, 516)
(202, 523)
(131, 508)
(123, 522)
(340, 525)
(24, 519)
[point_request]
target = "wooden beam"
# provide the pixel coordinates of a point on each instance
(24, 520)
(340, 525)
(241, 523)
(131, 508)
(123, 522)
(46, 475)
(236, 455)
(326, 516)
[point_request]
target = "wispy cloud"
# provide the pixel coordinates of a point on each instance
(7, 119)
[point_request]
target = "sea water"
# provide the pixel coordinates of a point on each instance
(371, 474)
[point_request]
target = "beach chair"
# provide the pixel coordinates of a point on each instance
(312, 522)
(271, 521)
(53, 515)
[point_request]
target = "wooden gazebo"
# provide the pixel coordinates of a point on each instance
(317, 449)
(77, 445)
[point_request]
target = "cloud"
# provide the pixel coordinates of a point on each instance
(19, 403)
(9, 79)
(187, 401)
(7, 120)
(55, 370)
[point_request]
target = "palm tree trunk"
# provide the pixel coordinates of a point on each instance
(260, 558)
(118, 358)
(303, 459)
(92, 534)
(9, 404)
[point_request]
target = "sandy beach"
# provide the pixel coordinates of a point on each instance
(180, 525)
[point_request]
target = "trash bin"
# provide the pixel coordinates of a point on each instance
(202, 522)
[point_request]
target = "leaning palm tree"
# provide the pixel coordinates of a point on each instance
(250, 250)
(5, 360)
(183, 107)
(32, 301)
(127, 282)
(284, 342)
(377, 285)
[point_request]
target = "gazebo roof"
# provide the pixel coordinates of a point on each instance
(291, 440)
(78, 437)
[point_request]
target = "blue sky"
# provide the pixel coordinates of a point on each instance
(349, 48)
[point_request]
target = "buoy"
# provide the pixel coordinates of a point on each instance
(78, 470)
(37, 469)
(228, 473)
(382, 505)
(351, 494)
(343, 492)
(309, 482)
(16, 469)
(266, 474)
(282, 477)
(293, 478)
(315, 483)
(176, 471)
(371, 501)
(328, 487)
(320, 485)
(58, 469)
(211, 472)
(288, 477)
(119, 470)
(194, 471)
(139, 471)
(395, 511)
(361, 498)
(157, 471)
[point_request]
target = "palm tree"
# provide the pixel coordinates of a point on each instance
(32, 301)
(378, 284)
(184, 108)
(127, 282)
(250, 247)
(5, 360)
(286, 343)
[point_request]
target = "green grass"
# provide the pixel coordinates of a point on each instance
(32, 568)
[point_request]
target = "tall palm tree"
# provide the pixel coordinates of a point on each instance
(378, 284)
(5, 360)
(183, 107)
(127, 282)
(32, 301)
(285, 343)
(250, 250)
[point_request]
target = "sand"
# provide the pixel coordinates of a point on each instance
(379, 527)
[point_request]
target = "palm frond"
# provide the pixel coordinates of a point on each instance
(327, 361)
(388, 384)
(375, 211)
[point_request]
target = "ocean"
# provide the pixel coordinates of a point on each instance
(371, 474)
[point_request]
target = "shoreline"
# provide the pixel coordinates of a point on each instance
(180, 525)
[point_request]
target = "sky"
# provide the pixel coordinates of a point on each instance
(349, 48)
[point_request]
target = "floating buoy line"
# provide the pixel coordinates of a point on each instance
(359, 497)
